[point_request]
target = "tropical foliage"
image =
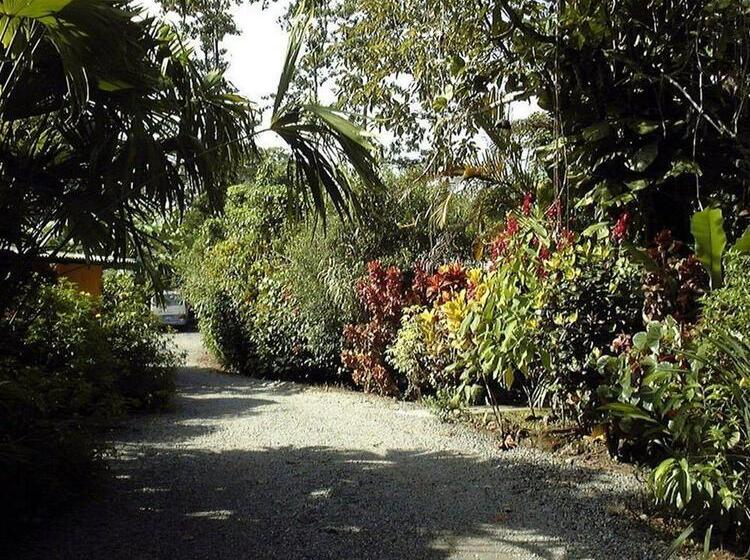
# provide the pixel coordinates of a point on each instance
(109, 130)
(126, 127)
(71, 366)
(273, 292)
(589, 260)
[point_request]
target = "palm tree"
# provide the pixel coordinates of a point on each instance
(106, 122)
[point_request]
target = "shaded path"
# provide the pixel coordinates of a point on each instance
(247, 469)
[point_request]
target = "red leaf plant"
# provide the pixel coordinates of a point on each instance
(384, 294)
(440, 286)
(677, 284)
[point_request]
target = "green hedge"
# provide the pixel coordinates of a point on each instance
(70, 366)
(272, 290)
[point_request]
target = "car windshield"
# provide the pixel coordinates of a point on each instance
(172, 298)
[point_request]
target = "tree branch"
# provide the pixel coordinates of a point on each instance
(525, 28)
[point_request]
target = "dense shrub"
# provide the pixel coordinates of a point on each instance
(273, 291)
(674, 282)
(384, 293)
(422, 353)
(729, 307)
(593, 298)
(548, 299)
(143, 359)
(231, 273)
(70, 365)
(683, 406)
(680, 399)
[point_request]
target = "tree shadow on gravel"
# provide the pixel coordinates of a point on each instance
(206, 396)
(322, 503)
(169, 499)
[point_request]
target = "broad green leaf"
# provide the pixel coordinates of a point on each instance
(626, 410)
(663, 468)
(597, 131)
(640, 256)
(640, 341)
(33, 9)
(743, 243)
(707, 227)
(599, 230)
(439, 103)
(456, 65)
(644, 127)
(644, 157)
(638, 185)
(509, 378)
(341, 125)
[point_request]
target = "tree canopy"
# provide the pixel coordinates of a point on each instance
(648, 96)
(107, 123)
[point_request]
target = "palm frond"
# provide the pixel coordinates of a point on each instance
(324, 142)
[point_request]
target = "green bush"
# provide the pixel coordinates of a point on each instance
(227, 273)
(273, 291)
(549, 299)
(144, 360)
(680, 399)
(685, 408)
(422, 353)
(729, 307)
(56, 387)
(593, 298)
(70, 366)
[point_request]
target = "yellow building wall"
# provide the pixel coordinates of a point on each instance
(88, 278)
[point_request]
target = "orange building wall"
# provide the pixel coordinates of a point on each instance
(87, 277)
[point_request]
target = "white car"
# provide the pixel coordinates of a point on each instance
(174, 312)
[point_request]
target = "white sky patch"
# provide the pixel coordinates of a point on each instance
(256, 57)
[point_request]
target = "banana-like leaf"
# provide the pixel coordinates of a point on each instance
(707, 227)
(31, 8)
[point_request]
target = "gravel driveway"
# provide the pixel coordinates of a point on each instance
(248, 469)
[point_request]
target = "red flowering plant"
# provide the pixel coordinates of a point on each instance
(384, 293)
(620, 229)
(559, 296)
(534, 233)
(528, 204)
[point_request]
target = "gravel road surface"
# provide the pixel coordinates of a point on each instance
(249, 469)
